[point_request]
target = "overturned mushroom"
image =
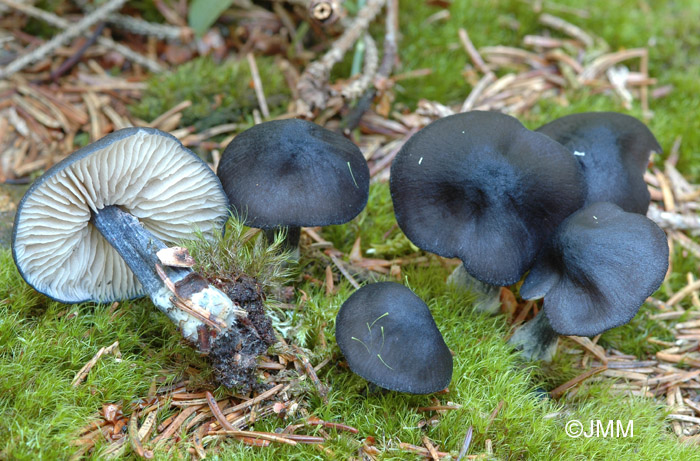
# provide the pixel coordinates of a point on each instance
(288, 174)
(389, 338)
(613, 150)
(595, 273)
(90, 229)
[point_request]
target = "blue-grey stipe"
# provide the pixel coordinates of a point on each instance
(138, 247)
(536, 339)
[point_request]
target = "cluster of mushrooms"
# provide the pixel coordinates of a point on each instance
(563, 206)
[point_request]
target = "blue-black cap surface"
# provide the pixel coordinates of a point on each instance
(481, 187)
(389, 338)
(294, 173)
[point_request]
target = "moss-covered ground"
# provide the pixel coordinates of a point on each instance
(43, 344)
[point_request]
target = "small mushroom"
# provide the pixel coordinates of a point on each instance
(389, 338)
(481, 187)
(292, 174)
(595, 273)
(90, 228)
(613, 150)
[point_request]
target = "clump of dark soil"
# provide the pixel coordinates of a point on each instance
(234, 355)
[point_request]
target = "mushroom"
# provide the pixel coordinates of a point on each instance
(89, 229)
(481, 187)
(288, 174)
(594, 274)
(613, 150)
(389, 338)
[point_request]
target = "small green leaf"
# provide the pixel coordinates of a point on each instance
(203, 13)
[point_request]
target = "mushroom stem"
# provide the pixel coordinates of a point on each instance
(180, 293)
(536, 339)
(487, 297)
(291, 238)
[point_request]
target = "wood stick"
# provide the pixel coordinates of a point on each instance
(677, 358)
(313, 82)
(256, 435)
(594, 349)
(61, 23)
(268, 393)
(216, 411)
(431, 448)
(357, 87)
(177, 422)
(477, 91)
(257, 84)
(420, 450)
(339, 264)
(134, 439)
(644, 90)
(112, 349)
(685, 418)
(173, 110)
(314, 421)
(473, 52)
(71, 32)
(564, 26)
(561, 390)
(604, 62)
(669, 220)
(688, 289)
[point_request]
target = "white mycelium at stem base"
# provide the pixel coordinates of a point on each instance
(138, 248)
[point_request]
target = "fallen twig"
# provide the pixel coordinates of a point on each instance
(359, 86)
(312, 86)
(314, 421)
(150, 29)
(670, 220)
(561, 390)
(568, 28)
(134, 438)
(61, 23)
(257, 84)
(71, 32)
(73, 60)
(112, 349)
(256, 435)
(216, 411)
(473, 53)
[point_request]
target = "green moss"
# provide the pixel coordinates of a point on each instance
(220, 93)
(43, 344)
(233, 252)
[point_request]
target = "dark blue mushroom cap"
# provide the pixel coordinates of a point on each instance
(481, 187)
(389, 338)
(294, 173)
(597, 270)
(613, 150)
